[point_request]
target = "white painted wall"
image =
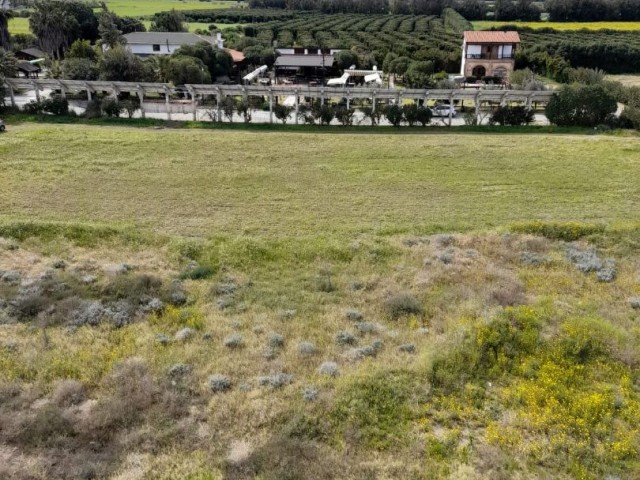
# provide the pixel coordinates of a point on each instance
(144, 49)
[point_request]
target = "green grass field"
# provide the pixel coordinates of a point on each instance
(19, 25)
(306, 184)
(484, 25)
(181, 304)
(140, 8)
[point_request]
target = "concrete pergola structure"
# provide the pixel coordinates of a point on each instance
(322, 93)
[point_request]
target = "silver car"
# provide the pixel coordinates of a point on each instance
(443, 111)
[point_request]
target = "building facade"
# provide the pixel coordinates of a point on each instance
(489, 54)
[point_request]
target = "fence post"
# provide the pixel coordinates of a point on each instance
(297, 105)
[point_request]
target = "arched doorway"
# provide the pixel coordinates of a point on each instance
(479, 71)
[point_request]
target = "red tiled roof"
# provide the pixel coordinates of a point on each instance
(236, 56)
(491, 37)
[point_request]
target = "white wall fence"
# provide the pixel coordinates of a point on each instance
(196, 93)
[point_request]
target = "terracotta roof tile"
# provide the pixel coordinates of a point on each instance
(236, 55)
(491, 37)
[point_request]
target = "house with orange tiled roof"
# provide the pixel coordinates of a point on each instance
(489, 54)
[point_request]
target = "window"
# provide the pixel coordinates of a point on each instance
(156, 48)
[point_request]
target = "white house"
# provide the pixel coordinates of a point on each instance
(146, 44)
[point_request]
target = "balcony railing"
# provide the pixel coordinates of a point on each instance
(490, 56)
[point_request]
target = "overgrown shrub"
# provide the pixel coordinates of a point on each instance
(401, 305)
(306, 348)
(234, 341)
(219, 383)
(329, 368)
(512, 115)
(375, 408)
(394, 114)
(130, 106)
(344, 115)
(282, 112)
(56, 105)
(111, 107)
(326, 114)
(199, 272)
(488, 351)
(94, 108)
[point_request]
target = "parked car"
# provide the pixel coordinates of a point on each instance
(2, 127)
(443, 111)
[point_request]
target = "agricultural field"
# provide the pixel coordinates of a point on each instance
(142, 8)
(623, 26)
(193, 26)
(139, 8)
(181, 304)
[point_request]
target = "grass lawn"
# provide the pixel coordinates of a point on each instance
(484, 25)
(299, 184)
(19, 25)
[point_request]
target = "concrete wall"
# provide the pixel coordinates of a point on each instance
(489, 65)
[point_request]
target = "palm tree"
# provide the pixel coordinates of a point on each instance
(52, 24)
(5, 16)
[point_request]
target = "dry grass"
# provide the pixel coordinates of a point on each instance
(124, 402)
(305, 245)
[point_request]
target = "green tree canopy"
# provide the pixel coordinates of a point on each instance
(182, 70)
(120, 64)
(581, 106)
(171, 21)
(217, 61)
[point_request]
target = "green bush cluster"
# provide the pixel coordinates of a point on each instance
(567, 231)
(377, 407)
(512, 115)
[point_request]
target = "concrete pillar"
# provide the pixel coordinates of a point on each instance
(373, 102)
(297, 106)
(37, 91)
(348, 100)
(322, 96)
(141, 99)
(194, 105)
(270, 106)
(450, 108)
(529, 101)
(218, 105)
(13, 97)
(476, 102)
(167, 105)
